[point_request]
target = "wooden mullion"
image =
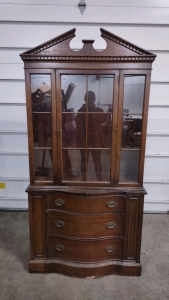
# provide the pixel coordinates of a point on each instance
(119, 124)
(86, 165)
(58, 131)
(144, 127)
(114, 129)
(54, 112)
(30, 126)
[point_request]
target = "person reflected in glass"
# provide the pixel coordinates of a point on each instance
(95, 138)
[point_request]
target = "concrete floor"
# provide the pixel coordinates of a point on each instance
(17, 283)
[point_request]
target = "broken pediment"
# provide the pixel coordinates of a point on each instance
(117, 49)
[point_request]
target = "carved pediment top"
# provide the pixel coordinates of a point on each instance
(59, 39)
(112, 37)
(60, 47)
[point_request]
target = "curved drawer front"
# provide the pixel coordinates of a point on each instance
(85, 226)
(85, 251)
(88, 204)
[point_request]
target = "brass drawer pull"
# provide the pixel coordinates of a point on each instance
(111, 225)
(110, 248)
(59, 202)
(111, 204)
(59, 223)
(59, 247)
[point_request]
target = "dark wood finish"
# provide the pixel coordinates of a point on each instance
(74, 224)
(90, 204)
(39, 224)
(85, 251)
(86, 228)
(132, 227)
(92, 270)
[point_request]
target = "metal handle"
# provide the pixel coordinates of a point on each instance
(110, 248)
(59, 247)
(111, 225)
(59, 223)
(111, 204)
(59, 202)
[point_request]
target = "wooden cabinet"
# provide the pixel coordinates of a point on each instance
(87, 118)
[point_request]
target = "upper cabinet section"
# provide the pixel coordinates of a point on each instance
(117, 50)
(87, 111)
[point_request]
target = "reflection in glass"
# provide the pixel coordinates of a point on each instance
(71, 165)
(41, 92)
(98, 165)
(131, 131)
(133, 94)
(42, 129)
(132, 110)
(74, 165)
(42, 125)
(73, 90)
(102, 86)
(41, 108)
(131, 126)
(129, 162)
(43, 164)
(99, 131)
(87, 104)
(68, 130)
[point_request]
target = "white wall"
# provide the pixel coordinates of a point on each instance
(25, 24)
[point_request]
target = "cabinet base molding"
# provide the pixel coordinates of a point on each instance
(85, 270)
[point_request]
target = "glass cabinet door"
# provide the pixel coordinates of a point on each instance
(87, 107)
(134, 86)
(42, 126)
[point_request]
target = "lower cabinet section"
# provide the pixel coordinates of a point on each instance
(85, 251)
(86, 235)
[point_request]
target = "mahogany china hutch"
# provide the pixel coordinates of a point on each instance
(87, 118)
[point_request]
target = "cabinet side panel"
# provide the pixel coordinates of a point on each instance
(132, 227)
(140, 221)
(30, 201)
(39, 220)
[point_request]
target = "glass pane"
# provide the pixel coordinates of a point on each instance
(131, 131)
(132, 125)
(129, 162)
(100, 93)
(98, 165)
(42, 125)
(87, 104)
(41, 92)
(72, 165)
(133, 94)
(99, 131)
(42, 129)
(73, 91)
(68, 130)
(43, 164)
(41, 108)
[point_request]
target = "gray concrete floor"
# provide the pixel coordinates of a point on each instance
(17, 283)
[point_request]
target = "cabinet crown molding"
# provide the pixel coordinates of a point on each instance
(117, 50)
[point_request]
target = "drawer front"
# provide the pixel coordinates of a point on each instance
(85, 226)
(87, 204)
(84, 251)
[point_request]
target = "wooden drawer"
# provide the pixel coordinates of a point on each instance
(88, 204)
(85, 251)
(85, 226)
